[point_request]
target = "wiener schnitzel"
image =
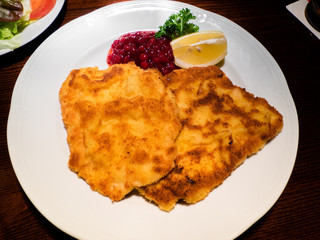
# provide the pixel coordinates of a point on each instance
(222, 125)
(121, 124)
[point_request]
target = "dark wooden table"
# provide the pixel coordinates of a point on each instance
(296, 215)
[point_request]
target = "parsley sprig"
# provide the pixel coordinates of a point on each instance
(178, 25)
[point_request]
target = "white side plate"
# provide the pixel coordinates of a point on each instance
(35, 29)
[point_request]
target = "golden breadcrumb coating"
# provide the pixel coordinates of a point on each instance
(121, 126)
(222, 125)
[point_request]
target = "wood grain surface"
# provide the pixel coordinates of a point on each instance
(296, 214)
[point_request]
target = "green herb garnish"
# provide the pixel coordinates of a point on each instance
(178, 25)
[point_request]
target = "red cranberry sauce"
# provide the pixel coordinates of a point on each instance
(144, 49)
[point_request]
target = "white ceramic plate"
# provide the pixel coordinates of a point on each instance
(36, 28)
(39, 151)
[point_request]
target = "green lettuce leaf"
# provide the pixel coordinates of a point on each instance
(10, 29)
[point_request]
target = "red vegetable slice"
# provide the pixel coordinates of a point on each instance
(40, 8)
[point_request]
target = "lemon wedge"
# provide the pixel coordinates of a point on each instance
(199, 49)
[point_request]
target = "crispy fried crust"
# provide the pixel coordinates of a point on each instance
(121, 124)
(222, 125)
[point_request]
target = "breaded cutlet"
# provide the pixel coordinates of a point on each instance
(222, 124)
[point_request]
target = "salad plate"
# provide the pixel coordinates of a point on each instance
(37, 27)
(39, 151)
